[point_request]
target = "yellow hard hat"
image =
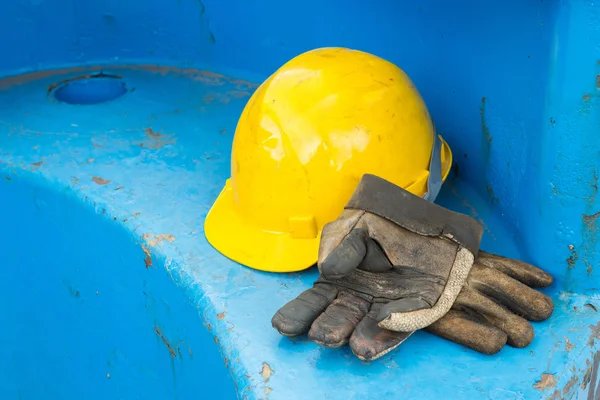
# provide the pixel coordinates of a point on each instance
(303, 142)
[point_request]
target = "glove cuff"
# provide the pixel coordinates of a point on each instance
(380, 197)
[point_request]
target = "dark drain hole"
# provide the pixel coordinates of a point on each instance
(89, 89)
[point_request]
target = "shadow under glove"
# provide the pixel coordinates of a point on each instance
(375, 270)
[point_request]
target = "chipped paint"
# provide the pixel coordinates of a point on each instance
(155, 140)
(165, 341)
(548, 381)
(148, 258)
(568, 345)
(594, 334)
(572, 260)
(590, 239)
(155, 240)
(266, 372)
(100, 181)
(570, 385)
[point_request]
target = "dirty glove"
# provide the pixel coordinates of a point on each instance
(492, 309)
(407, 257)
(359, 288)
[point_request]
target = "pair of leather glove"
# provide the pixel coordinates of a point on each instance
(394, 263)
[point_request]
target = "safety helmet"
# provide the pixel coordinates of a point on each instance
(301, 145)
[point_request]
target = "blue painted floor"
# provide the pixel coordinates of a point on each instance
(154, 161)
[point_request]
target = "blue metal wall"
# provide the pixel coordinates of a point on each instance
(84, 316)
(513, 87)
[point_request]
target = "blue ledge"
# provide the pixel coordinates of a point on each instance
(155, 159)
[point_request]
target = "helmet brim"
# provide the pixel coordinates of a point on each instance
(253, 247)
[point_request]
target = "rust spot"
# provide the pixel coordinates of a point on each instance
(209, 327)
(38, 164)
(148, 259)
(590, 237)
(598, 81)
(594, 187)
(156, 140)
(595, 334)
(8, 178)
(586, 97)
(486, 136)
(100, 181)
(266, 372)
(590, 305)
(587, 376)
(568, 345)
(119, 188)
(220, 316)
(226, 362)
(572, 260)
(150, 132)
(165, 341)
(158, 238)
(492, 195)
(216, 339)
(572, 382)
(552, 121)
(547, 382)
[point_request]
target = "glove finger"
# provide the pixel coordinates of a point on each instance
(369, 342)
(375, 260)
(296, 317)
(474, 333)
(518, 330)
(516, 296)
(345, 257)
(526, 273)
(334, 326)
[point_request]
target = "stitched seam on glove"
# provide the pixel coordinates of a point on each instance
(415, 320)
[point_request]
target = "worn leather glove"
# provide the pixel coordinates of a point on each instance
(391, 255)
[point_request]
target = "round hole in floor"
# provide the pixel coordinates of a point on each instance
(90, 89)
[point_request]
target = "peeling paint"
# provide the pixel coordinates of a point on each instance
(154, 240)
(570, 385)
(547, 381)
(100, 181)
(155, 140)
(590, 239)
(595, 334)
(266, 372)
(568, 345)
(220, 316)
(148, 258)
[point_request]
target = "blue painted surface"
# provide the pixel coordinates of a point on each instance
(513, 87)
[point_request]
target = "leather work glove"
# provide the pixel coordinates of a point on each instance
(393, 263)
